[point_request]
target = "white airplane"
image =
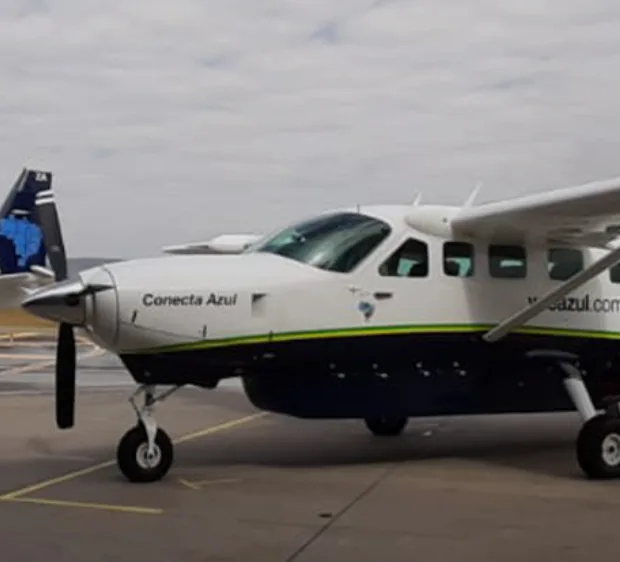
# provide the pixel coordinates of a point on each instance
(23, 253)
(378, 313)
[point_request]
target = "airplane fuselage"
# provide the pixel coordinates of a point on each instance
(312, 342)
(382, 313)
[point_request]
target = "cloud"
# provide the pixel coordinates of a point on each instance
(169, 122)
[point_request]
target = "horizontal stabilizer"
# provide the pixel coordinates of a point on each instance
(44, 272)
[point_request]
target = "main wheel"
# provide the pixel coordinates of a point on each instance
(132, 455)
(385, 426)
(598, 447)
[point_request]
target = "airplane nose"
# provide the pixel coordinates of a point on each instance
(89, 303)
(61, 302)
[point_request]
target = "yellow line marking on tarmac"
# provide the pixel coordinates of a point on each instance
(19, 494)
(197, 485)
(47, 363)
(87, 505)
(220, 427)
(53, 481)
(25, 356)
(14, 335)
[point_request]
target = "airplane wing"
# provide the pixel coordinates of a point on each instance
(223, 244)
(581, 215)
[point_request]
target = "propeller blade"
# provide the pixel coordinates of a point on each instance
(65, 377)
(65, 347)
(52, 234)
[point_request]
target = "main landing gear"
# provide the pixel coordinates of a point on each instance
(145, 453)
(598, 441)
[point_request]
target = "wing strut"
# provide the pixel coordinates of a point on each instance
(518, 319)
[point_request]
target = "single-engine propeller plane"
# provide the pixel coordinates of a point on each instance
(378, 313)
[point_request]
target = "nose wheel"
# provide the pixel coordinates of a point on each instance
(145, 453)
(140, 463)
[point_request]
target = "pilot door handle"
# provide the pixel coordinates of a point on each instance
(382, 295)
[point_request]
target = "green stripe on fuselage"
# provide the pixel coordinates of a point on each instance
(373, 331)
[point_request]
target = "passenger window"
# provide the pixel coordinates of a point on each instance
(507, 262)
(564, 263)
(458, 259)
(614, 270)
(410, 260)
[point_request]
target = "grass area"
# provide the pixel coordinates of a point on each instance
(19, 319)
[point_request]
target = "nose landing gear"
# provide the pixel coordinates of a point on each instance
(145, 453)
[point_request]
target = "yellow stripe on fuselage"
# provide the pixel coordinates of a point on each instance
(374, 331)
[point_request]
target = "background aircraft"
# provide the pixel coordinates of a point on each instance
(378, 313)
(23, 252)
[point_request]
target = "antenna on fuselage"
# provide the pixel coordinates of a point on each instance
(472, 196)
(417, 200)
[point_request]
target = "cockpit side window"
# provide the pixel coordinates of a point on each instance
(336, 242)
(409, 260)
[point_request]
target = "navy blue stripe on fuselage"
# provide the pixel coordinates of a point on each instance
(410, 374)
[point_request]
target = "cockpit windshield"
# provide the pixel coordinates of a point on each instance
(335, 242)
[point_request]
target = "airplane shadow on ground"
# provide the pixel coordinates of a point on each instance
(540, 444)
(537, 444)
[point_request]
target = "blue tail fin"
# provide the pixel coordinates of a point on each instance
(21, 238)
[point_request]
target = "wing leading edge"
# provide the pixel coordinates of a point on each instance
(581, 215)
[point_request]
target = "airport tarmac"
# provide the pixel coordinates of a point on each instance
(252, 486)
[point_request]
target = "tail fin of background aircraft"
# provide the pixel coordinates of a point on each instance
(21, 238)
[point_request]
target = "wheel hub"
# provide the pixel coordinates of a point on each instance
(148, 460)
(611, 449)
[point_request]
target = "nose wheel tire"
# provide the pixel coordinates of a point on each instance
(386, 426)
(598, 447)
(133, 457)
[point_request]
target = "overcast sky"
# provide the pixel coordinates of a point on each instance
(166, 122)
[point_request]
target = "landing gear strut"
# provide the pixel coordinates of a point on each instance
(145, 453)
(386, 426)
(598, 442)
